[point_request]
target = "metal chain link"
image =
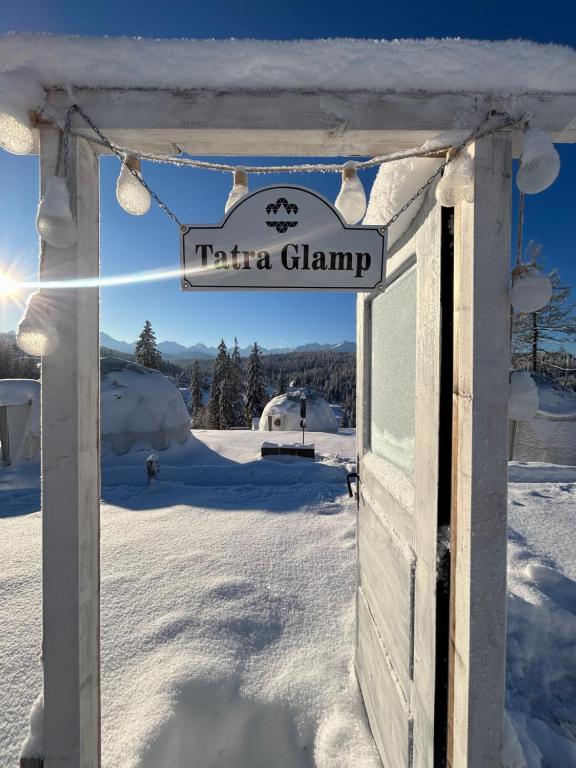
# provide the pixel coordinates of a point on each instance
(120, 155)
(478, 133)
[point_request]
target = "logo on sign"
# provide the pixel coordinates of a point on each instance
(282, 238)
(282, 226)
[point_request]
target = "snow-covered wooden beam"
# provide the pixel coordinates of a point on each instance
(71, 479)
(296, 123)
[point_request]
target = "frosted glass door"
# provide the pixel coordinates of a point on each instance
(399, 363)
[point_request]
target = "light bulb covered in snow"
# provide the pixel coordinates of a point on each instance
(132, 196)
(37, 334)
(239, 189)
(457, 182)
(531, 290)
(15, 130)
(539, 164)
(20, 93)
(54, 221)
(523, 397)
(351, 200)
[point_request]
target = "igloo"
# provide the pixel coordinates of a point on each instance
(282, 413)
(139, 406)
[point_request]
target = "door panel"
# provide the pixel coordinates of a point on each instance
(392, 729)
(387, 578)
(399, 388)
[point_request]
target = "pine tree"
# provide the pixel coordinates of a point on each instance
(256, 395)
(197, 409)
(184, 379)
(146, 352)
(281, 385)
(237, 394)
(196, 387)
(218, 409)
(554, 324)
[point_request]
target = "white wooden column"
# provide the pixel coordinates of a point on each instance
(71, 480)
(481, 357)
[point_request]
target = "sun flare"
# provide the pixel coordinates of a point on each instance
(8, 286)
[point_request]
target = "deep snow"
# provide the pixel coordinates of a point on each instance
(228, 609)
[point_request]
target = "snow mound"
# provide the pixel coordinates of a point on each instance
(550, 436)
(139, 407)
(447, 65)
(282, 413)
(21, 392)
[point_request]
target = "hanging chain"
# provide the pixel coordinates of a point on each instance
(121, 153)
(121, 157)
(62, 157)
(478, 133)
(520, 233)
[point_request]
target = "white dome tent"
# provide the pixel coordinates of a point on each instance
(139, 406)
(282, 413)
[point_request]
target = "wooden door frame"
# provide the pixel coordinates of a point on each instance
(274, 123)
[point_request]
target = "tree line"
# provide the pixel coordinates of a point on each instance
(240, 389)
(229, 391)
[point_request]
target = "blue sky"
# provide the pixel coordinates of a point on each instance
(132, 244)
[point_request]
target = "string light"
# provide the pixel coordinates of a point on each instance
(239, 188)
(531, 289)
(131, 195)
(37, 334)
(19, 95)
(351, 200)
(539, 164)
(54, 221)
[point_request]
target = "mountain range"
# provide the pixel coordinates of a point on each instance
(171, 349)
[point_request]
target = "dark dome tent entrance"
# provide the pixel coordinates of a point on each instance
(433, 350)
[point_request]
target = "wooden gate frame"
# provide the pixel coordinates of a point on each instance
(280, 123)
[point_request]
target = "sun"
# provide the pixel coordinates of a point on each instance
(8, 286)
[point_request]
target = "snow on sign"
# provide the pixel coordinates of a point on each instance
(282, 238)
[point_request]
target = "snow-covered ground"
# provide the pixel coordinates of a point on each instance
(228, 609)
(541, 695)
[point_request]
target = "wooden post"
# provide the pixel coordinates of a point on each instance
(481, 366)
(71, 479)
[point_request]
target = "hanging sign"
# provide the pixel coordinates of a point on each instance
(282, 238)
